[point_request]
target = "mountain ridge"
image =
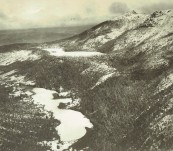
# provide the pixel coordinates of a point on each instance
(102, 33)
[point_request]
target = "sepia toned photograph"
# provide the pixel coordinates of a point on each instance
(86, 75)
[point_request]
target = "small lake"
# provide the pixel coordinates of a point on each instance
(73, 123)
(59, 52)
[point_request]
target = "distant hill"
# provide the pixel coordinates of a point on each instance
(39, 35)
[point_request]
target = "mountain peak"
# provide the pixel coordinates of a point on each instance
(133, 12)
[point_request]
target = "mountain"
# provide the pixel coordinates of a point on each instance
(125, 32)
(124, 83)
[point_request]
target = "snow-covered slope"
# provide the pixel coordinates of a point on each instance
(14, 56)
(148, 37)
(140, 41)
(126, 31)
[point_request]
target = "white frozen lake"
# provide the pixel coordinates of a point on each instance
(59, 52)
(73, 123)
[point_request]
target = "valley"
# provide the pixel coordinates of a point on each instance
(108, 88)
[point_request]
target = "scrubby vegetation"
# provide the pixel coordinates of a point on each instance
(118, 108)
(122, 109)
(23, 124)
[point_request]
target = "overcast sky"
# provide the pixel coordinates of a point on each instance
(51, 13)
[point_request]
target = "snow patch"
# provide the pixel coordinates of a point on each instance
(55, 146)
(11, 76)
(165, 83)
(11, 57)
(163, 123)
(103, 79)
